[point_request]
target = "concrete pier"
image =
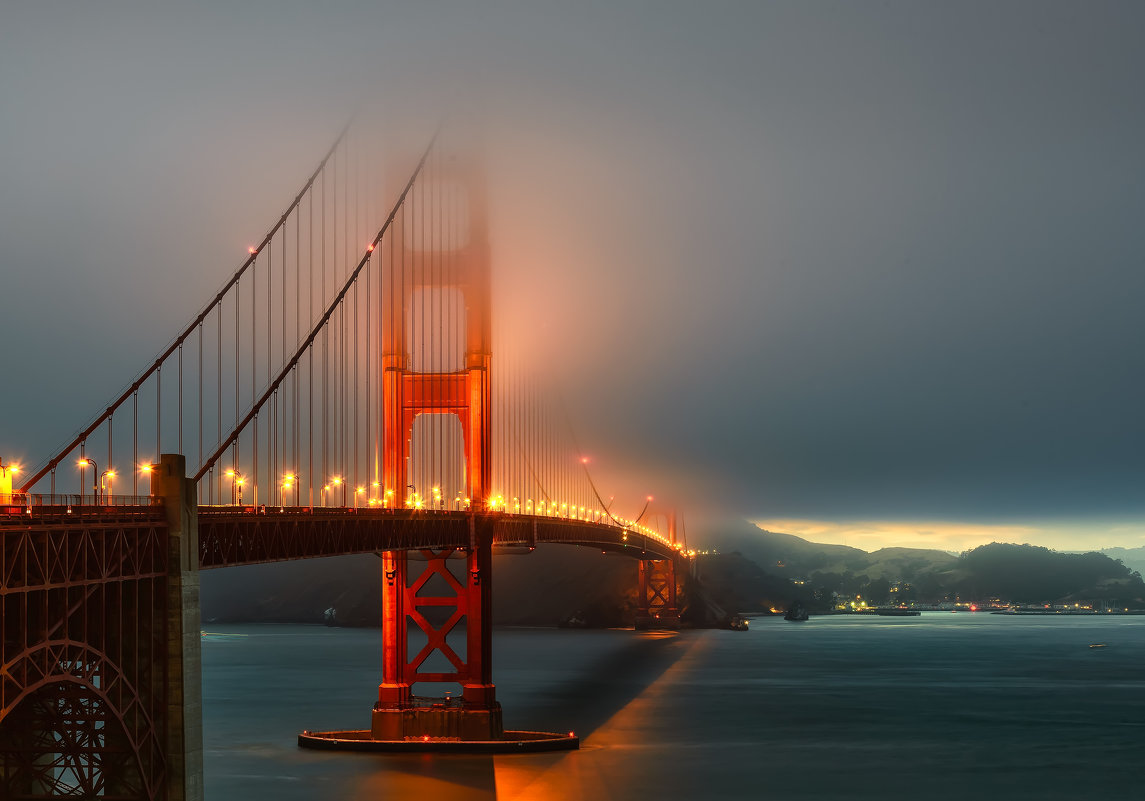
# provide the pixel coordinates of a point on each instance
(184, 731)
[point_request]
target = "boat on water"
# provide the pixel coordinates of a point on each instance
(797, 612)
(897, 612)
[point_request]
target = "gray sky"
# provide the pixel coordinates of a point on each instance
(849, 266)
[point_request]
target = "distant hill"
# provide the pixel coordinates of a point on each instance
(738, 584)
(793, 557)
(1020, 573)
(1132, 558)
(780, 554)
(1032, 574)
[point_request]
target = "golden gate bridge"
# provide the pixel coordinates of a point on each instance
(338, 395)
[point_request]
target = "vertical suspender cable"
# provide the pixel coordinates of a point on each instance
(199, 455)
(357, 213)
(135, 442)
(110, 459)
(238, 340)
(297, 453)
(271, 419)
(180, 388)
(310, 356)
(325, 344)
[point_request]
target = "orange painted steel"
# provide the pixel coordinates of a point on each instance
(657, 605)
(406, 394)
(656, 600)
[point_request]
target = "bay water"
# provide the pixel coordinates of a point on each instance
(939, 706)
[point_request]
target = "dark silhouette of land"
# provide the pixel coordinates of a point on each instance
(754, 571)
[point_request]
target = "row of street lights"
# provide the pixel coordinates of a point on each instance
(100, 481)
(290, 481)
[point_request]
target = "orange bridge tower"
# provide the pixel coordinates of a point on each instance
(419, 271)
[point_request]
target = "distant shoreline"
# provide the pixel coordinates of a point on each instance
(873, 611)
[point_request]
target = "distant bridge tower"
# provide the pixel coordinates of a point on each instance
(657, 602)
(456, 257)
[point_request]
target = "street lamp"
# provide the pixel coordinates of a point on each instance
(288, 483)
(7, 473)
(336, 481)
(89, 462)
(237, 482)
(105, 482)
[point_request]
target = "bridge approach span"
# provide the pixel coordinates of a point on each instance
(230, 536)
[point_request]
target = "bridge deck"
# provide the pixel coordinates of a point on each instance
(235, 535)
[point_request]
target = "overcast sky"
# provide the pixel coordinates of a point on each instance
(869, 271)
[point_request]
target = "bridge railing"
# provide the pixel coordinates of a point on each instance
(35, 502)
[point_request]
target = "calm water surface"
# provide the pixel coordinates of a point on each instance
(942, 706)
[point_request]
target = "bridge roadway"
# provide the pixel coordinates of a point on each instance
(238, 535)
(231, 535)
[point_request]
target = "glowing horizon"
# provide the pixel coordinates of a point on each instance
(957, 536)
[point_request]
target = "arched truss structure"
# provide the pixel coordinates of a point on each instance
(83, 666)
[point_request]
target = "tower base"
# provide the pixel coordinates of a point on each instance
(510, 742)
(666, 621)
(436, 718)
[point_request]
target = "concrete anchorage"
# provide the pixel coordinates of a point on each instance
(184, 734)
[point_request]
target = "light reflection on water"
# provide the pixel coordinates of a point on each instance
(938, 706)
